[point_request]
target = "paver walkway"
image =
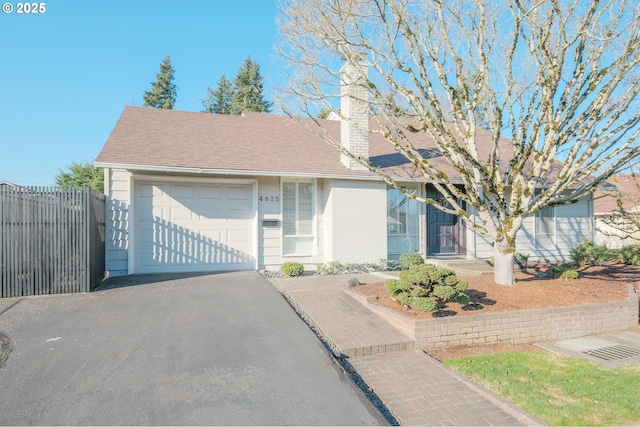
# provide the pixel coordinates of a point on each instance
(349, 325)
(416, 388)
(419, 390)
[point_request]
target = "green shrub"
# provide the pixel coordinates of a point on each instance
(569, 274)
(419, 292)
(463, 299)
(292, 269)
(563, 272)
(409, 260)
(333, 267)
(391, 285)
(404, 298)
(587, 253)
(462, 285)
(424, 304)
(403, 286)
(336, 267)
(445, 293)
(426, 287)
(389, 265)
(630, 255)
(556, 271)
(418, 274)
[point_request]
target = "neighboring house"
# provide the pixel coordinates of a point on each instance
(7, 184)
(611, 230)
(203, 192)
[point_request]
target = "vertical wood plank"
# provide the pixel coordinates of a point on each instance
(50, 240)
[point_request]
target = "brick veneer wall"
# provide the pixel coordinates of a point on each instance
(516, 327)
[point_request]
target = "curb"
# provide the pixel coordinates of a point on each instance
(341, 361)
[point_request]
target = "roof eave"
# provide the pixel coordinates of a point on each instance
(240, 172)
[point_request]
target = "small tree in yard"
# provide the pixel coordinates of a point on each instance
(81, 175)
(558, 78)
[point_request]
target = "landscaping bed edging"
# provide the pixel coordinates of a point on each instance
(514, 327)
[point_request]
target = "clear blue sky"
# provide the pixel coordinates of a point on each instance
(67, 74)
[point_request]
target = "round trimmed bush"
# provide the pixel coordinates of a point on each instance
(292, 269)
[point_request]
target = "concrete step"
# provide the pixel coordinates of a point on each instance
(463, 266)
(352, 329)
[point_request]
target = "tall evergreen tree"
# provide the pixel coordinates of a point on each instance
(218, 101)
(163, 91)
(248, 90)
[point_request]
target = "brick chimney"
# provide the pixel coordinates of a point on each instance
(354, 129)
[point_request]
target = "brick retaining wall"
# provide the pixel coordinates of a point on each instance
(516, 327)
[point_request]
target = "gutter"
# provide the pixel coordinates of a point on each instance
(202, 171)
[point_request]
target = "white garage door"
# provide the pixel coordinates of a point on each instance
(181, 227)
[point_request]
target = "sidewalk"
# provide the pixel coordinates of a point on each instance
(414, 387)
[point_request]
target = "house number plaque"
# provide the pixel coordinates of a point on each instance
(270, 199)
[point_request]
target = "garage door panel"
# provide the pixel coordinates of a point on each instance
(211, 235)
(181, 192)
(238, 238)
(147, 213)
(180, 213)
(145, 191)
(238, 213)
(193, 227)
(238, 193)
(211, 213)
(210, 192)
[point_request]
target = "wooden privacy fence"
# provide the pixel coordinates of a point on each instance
(51, 240)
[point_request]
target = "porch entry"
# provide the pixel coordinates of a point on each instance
(444, 232)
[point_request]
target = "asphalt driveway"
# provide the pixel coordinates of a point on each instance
(171, 350)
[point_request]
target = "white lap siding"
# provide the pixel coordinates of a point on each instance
(117, 191)
(572, 224)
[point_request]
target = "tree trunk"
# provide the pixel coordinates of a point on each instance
(503, 264)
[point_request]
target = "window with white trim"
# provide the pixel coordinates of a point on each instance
(297, 217)
(403, 223)
(545, 227)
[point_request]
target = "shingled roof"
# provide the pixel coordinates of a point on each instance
(629, 192)
(252, 144)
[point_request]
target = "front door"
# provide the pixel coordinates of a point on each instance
(442, 231)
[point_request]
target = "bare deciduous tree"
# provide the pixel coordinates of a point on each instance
(556, 77)
(621, 216)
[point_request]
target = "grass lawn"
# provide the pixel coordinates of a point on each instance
(558, 390)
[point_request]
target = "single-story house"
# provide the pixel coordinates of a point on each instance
(611, 230)
(191, 191)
